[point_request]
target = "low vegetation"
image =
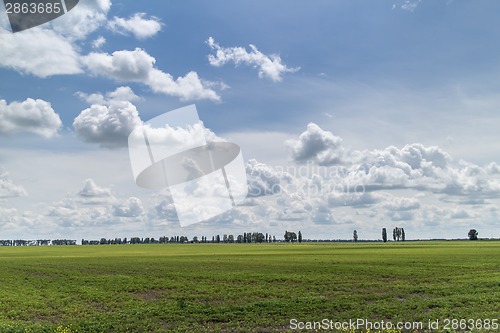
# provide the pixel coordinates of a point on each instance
(244, 287)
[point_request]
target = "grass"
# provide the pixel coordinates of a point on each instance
(244, 288)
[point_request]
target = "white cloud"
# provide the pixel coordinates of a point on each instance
(138, 66)
(165, 209)
(188, 87)
(401, 186)
(407, 5)
(34, 116)
(415, 166)
(121, 65)
(44, 52)
(136, 25)
(53, 50)
(64, 208)
(8, 189)
(98, 42)
(112, 117)
(460, 213)
(68, 214)
(353, 199)
(28, 52)
(365, 187)
(82, 20)
(269, 66)
(493, 169)
(401, 204)
(8, 215)
(110, 120)
(262, 179)
(93, 206)
(132, 207)
(50, 49)
(317, 145)
(322, 215)
(91, 193)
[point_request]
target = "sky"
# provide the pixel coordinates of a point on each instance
(350, 115)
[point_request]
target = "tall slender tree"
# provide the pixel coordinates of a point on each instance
(384, 234)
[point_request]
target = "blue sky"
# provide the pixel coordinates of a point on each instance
(399, 98)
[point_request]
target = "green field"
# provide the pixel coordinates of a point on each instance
(245, 288)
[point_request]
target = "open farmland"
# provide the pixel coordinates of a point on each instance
(245, 288)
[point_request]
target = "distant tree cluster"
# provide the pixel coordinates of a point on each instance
(472, 234)
(398, 234)
(292, 237)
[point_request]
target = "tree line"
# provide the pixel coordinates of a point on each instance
(398, 234)
(36, 242)
(247, 237)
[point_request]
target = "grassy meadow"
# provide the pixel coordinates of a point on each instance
(245, 288)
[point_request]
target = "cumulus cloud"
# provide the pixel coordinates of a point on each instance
(8, 215)
(139, 66)
(50, 49)
(109, 120)
(262, 179)
(270, 67)
(132, 207)
(8, 189)
(82, 20)
(136, 25)
(91, 193)
(317, 145)
(121, 65)
(32, 115)
(63, 208)
(93, 206)
(27, 52)
(322, 215)
(401, 204)
(429, 168)
(53, 50)
(412, 166)
(380, 184)
(165, 209)
(493, 169)
(112, 117)
(69, 214)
